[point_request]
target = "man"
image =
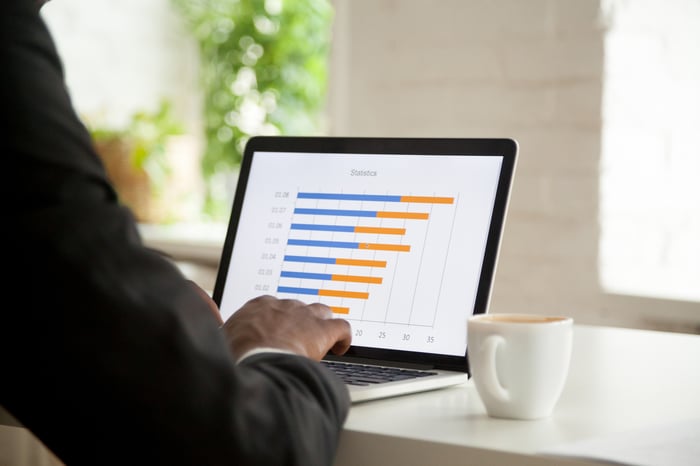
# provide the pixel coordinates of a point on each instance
(109, 355)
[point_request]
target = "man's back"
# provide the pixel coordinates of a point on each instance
(113, 357)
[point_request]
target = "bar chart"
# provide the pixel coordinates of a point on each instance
(370, 257)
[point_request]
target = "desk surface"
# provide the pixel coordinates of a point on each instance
(619, 380)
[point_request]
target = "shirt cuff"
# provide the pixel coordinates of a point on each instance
(255, 351)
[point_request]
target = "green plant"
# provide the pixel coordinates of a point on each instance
(146, 134)
(137, 163)
(263, 70)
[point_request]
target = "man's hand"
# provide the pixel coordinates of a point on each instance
(288, 324)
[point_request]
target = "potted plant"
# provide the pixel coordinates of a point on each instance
(141, 162)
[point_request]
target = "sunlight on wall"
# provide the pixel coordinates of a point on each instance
(650, 163)
(123, 57)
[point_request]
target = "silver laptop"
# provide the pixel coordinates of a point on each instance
(400, 236)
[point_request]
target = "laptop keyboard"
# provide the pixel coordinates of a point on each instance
(362, 374)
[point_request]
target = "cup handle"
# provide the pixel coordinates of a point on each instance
(490, 347)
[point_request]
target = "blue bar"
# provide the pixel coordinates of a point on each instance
(291, 289)
(315, 260)
(323, 244)
(350, 197)
(314, 276)
(344, 213)
(310, 226)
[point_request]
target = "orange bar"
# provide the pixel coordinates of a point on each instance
(384, 247)
(381, 230)
(361, 262)
(428, 199)
(340, 310)
(411, 215)
(356, 278)
(344, 294)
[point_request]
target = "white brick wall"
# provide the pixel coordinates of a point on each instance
(533, 70)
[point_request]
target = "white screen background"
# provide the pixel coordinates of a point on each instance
(421, 295)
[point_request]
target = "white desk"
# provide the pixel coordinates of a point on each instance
(619, 380)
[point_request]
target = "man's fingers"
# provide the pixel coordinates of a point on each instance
(338, 329)
(321, 311)
(341, 332)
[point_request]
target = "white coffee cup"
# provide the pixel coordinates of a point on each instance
(519, 362)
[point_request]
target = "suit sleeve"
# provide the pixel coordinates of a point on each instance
(107, 352)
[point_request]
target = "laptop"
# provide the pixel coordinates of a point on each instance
(399, 236)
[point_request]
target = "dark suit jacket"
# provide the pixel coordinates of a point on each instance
(106, 353)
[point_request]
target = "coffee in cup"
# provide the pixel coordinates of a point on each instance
(519, 362)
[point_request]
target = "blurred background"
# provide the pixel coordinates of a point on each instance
(603, 97)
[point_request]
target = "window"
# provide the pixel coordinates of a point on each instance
(650, 163)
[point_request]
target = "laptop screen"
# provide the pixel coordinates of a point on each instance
(398, 236)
